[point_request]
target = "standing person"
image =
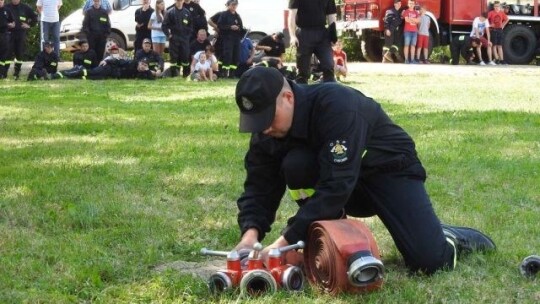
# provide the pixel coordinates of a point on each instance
(142, 18)
(50, 22)
(104, 5)
(7, 22)
(422, 44)
(46, 63)
(217, 42)
(177, 26)
(307, 27)
(340, 155)
(480, 30)
(231, 30)
(410, 31)
(340, 61)
(25, 18)
(463, 45)
(155, 24)
(392, 31)
(497, 20)
(97, 27)
(198, 15)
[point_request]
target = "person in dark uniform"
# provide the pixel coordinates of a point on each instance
(97, 27)
(231, 30)
(341, 155)
(198, 15)
(463, 45)
(7, 22)
(307, 26)
(25, 18)
(46, 63)
(272, 46)
(177, 26)
(84, 58)
(217, 42)
(392, 32)
(142, 17)
(151, 58)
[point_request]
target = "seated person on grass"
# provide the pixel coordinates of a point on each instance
(203, 70)
(46, 63)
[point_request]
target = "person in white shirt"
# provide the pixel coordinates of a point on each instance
(210, 64)
(50, 22)
(157, 35)
(480, 30)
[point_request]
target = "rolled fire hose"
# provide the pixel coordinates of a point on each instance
(342, 256)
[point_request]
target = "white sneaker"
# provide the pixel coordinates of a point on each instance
(482, 63)
(492, 63)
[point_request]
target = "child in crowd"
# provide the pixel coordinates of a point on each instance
(340, 61)
(203, 70)
(422, 45)
(158, 37)
(410, 31)
(497, 20)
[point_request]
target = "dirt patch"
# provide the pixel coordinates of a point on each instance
(202, 270)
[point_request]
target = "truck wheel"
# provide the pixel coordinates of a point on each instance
(371, 48)
(116, 39)
(518, 44)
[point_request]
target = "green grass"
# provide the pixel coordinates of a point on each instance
(103, 181)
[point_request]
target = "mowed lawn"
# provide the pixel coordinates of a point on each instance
(103, 184)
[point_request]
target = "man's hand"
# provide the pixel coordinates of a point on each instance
(280, 242)
(387, 32)
(294, 40)
(250, 237)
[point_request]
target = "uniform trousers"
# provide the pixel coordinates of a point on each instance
(314, 41)
(4, 54)
(97, 43)
(179, 51)
(18, 48)
(396, 194)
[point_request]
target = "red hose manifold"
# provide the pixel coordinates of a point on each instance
(342, 256)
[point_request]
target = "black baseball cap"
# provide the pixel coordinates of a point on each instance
(256, 94)
(48, 44)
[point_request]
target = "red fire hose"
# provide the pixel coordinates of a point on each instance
(342, 256)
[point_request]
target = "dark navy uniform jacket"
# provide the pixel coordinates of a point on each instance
(46, 61)
(155, 61)
(177, 22)
(351, 135)
(228, 19)
(86, 59)
(97, 22)
(22, 13)
(5, 17)
(312, 13)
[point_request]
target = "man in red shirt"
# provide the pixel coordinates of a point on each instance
(497, 21)
(410, 31)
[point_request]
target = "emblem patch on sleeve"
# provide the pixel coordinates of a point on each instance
(338, 151)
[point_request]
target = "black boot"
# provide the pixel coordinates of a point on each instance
(3, 72)
(468, 240)
(17, 70)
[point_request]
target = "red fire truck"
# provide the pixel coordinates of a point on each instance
(364, 19)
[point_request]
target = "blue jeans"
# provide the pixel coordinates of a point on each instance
(51, 32)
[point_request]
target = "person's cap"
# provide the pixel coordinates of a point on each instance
(144, 60)
(48, 44)
(256, 94)
(146, 40)
(229, 2)
(280, 35)
(113, 47)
